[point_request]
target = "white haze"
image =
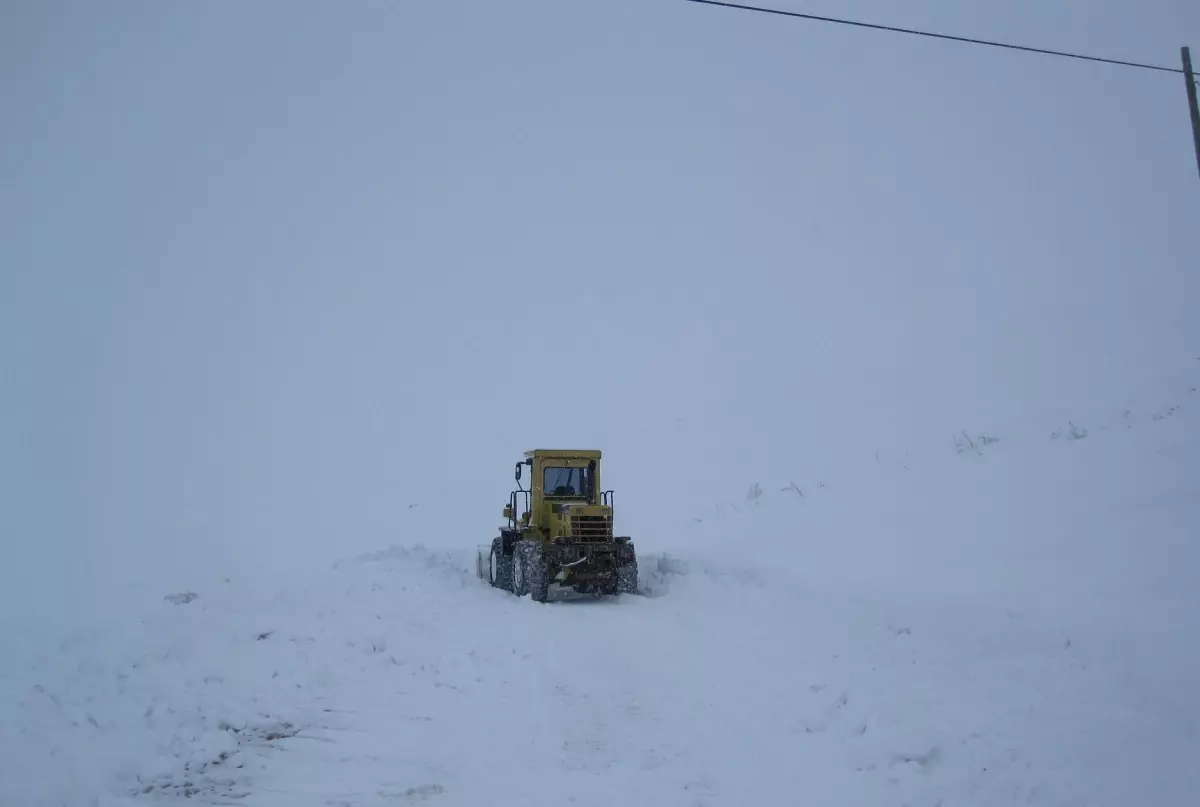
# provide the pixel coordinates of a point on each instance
(281, 283)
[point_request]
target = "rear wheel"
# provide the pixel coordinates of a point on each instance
(520, 582)
(530, 559)
(627, 578)
(500, 566)
(627, 572)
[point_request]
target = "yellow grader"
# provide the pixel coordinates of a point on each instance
(564, 533)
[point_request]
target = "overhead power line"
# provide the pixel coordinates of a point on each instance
(968, 40)
(1189, 76)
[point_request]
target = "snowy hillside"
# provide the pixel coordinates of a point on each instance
(992, 622)
(895, 382)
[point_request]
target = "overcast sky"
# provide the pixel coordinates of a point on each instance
(272, 272)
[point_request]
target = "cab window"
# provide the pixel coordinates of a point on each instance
(566, 483)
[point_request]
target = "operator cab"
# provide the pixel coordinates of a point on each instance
(560, 482)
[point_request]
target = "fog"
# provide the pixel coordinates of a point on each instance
(280, 284)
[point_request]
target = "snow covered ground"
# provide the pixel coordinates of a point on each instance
(1009, 623)
(895, 382)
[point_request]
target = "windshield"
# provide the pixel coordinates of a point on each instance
(567, 483)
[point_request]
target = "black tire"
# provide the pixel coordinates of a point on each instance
(499, 566)
(627, 577)
(520, 575)
(535, 574)
(627, 573)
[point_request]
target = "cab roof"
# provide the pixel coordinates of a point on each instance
(563, 453)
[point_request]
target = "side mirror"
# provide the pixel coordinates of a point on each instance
(518, 472)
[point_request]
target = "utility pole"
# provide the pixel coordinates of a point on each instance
(1190, 78)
